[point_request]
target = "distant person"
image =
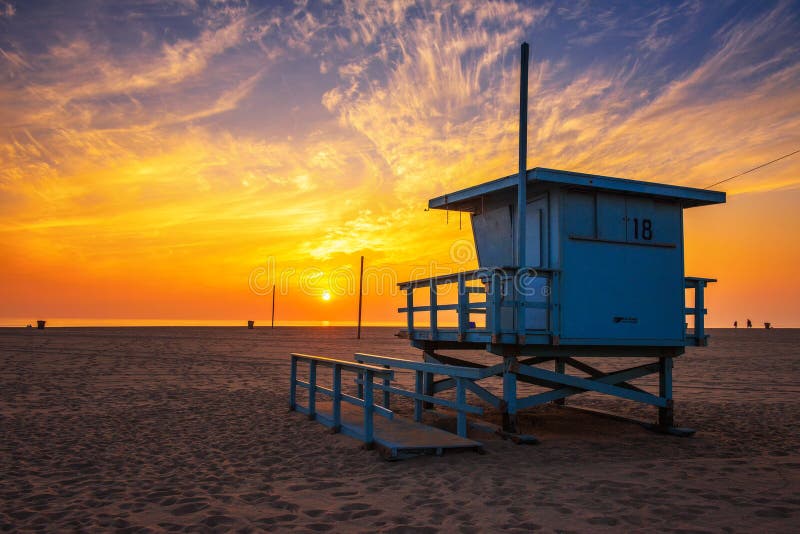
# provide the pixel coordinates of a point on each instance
(767, 325)
(736, 324)
(749, 324)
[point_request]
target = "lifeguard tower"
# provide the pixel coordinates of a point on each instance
(571, 265)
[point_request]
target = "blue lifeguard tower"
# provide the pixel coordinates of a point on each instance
(602, 276)
(571, 266)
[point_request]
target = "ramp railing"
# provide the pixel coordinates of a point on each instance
(368, 373)
(463, 377)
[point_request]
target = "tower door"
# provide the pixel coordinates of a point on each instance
(536, 255)
(536, 233)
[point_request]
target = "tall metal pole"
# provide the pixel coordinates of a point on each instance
(360, 295)
(522, 193)
(273, 305)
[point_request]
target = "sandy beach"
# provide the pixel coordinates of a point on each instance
(187, 429)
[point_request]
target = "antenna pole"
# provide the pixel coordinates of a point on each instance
(360, 295)
(522, 193)
(273, 305)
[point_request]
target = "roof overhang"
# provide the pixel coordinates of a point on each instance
(464, 200)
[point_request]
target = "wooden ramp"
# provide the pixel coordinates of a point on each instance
(398, 438)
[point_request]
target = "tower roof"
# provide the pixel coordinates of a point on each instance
(463, 200)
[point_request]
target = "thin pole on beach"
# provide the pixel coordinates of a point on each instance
(360, 296)
(273, 305)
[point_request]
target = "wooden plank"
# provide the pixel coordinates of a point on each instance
(380, 372)
(596, 373)
(601, 385)
(398, 363)
(398, 434)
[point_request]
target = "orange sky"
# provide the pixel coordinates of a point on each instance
(171, 167)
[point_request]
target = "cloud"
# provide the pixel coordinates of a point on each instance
(7, 9)
(313, 132)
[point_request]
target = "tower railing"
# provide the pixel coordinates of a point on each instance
(505, 287)
(698, 337)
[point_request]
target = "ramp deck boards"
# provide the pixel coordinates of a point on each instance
(398, 437)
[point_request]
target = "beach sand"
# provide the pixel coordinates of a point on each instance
(187, 429)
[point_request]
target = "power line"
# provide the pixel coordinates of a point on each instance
(753, 169)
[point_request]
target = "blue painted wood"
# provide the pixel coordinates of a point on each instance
(495, 303)
(397, 363)
(461, 400)
(312, 390)
(483, 393)
(699, 317)
(601, 386)
(463, 305)
(428, 388)
(293, 384)
(687, 196)
(560, 368)
(444, 385)
(369, 407)
(418, 390)
(466, 408)
(665, 378)
(473, 307)
(410, 310)
(567, 391)
(337, 397)
(386, 399)
(433, 309)
(510, 385)
(303, 384)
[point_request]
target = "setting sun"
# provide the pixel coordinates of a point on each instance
(326, 295)
(148, 175)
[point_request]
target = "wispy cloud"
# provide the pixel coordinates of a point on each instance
(223, 133)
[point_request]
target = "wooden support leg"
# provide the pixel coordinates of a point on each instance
(509, 405)
(665, 414)
(418, 389)
(427, 381)
(560, 367)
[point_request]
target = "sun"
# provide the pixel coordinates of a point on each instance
(326, 295)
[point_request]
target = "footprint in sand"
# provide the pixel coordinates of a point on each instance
(189, 508)
(269, 521)
(218, 520)
(601, 520)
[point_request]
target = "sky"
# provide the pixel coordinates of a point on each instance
(166, 162)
